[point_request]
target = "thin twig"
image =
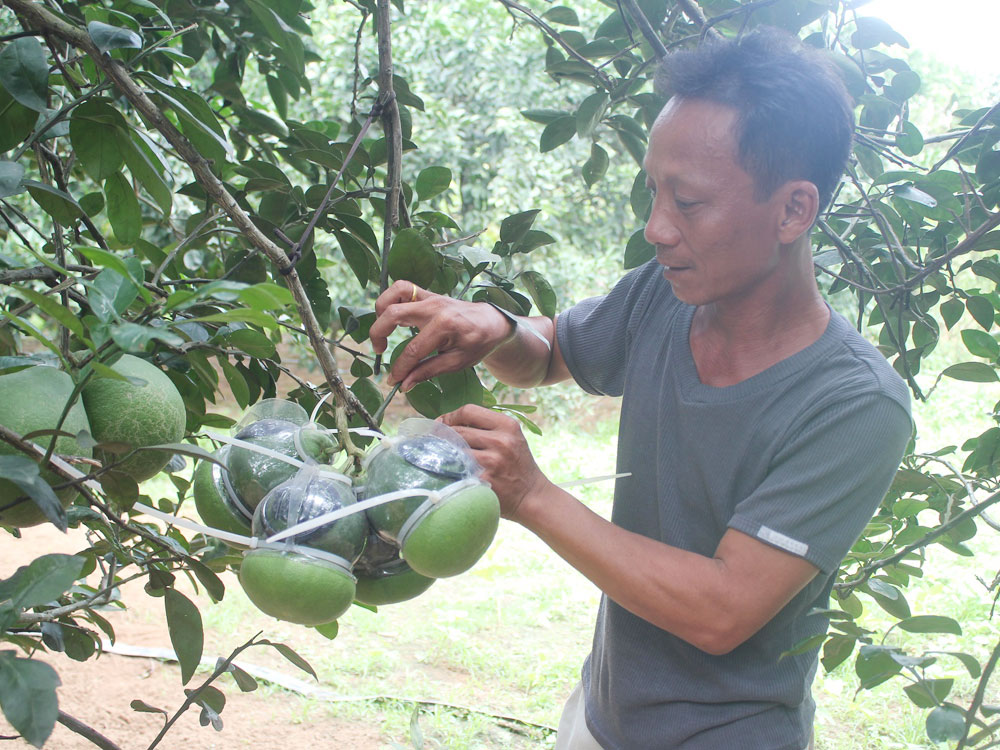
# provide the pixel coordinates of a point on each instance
(88, 733)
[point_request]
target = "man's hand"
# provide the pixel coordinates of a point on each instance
(501, 450)
(453, 334)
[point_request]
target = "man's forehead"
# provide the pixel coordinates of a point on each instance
(693, 129)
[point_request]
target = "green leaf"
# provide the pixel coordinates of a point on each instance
(108, 37)
(213, 584)
(541, 291)
(638, 250)
(11, 174)
(981, 310)
(952, 311)
(18, 121)
(872, 32)
(244, 680)
(43, 580)
(23, 472)
(412, 257)
(590, 112)
(329, 630)
(969, 661)
(596, 166)
(123, 209)
(239, 315)
(186, 633)
(910, 141)
(459, 388)
(980, 344)
(95, 130)
(55, 311)
(266, 296)
(133, 337)
(532, 240)
(432, 181)
(930, 624)
(24, 72)
(973, 372)
(562, 15)
(237, 383)
(28, 696)
(929, 693)
(945, 723)
(544, 116)
(556, 133)
(889, 598)
(253, 343)
(148, 171)
(514, 228)
(293, 657)
(57, 204)
(870, 162)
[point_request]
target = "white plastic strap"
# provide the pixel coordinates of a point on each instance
(192, 526)
(334, 515)
(255, 448)
(593, 480)
(329, 557)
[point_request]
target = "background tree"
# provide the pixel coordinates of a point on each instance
(173, 186)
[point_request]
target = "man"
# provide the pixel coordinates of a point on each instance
(760, 430)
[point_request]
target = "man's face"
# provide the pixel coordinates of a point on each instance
(716, 242)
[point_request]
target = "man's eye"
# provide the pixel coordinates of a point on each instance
(684, 205)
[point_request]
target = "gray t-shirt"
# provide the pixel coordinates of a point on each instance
(798, 456)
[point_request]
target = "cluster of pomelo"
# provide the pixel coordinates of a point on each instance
(139, 408)
(425, 514)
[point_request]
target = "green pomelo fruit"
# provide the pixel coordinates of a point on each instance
(211, 498)
(137, 415)
(294, 587)
(423, 461)
(455, 534)
(253, 474)
(34, 399)
(383, 577)
(392, 588)
(302, 499)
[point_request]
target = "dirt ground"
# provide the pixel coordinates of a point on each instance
(257, 720)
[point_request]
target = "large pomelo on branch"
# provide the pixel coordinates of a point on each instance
(305, 497)
(305, 578)
(384, 577)
(254, 473)
(34, 399)
(216, 503)
(440, 533)
(139, 415)
(296, 587)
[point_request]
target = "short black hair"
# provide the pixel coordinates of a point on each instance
(795, 119)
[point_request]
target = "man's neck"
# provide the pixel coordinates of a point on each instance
(734, 341)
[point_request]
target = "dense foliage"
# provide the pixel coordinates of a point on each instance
(205, 185)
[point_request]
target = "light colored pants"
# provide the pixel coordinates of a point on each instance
(573, 733)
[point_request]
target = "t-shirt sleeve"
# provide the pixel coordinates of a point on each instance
(595, 335)
(826, 484)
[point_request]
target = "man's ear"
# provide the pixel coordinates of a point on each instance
(799, 207)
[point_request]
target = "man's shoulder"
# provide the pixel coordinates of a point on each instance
(856, 366)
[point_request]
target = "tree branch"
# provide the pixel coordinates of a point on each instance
(646, 28)
(393, 134)
(75, 725)
(693, 11)
(43, 19)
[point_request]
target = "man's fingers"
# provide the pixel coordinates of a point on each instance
(400, 291)
(450, 361)
(476, 417)
(392, 311)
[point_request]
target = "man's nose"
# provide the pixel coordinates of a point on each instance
(661, 229)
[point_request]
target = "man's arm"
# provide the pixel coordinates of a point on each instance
(454, 334)
(715, 603)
